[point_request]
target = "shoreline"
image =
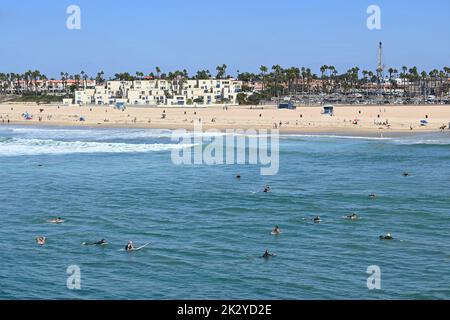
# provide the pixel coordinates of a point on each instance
(312, 131)
(369, 121)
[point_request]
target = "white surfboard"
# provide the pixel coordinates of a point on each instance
(136, 249)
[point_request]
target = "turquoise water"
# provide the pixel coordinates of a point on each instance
(207, 229)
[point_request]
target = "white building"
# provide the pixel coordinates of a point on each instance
(86, 96)
(163, 92)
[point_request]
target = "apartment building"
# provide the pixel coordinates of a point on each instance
(163, 92)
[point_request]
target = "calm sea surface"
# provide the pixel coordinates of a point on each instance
(207, 229)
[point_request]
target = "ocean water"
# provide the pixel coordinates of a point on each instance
(207, 229)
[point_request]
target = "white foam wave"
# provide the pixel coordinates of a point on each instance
(442, 142)
(104, 134)
(325, 136)
(29, 147)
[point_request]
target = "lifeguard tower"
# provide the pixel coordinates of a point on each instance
(328, 110)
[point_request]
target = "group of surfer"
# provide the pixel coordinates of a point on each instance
(41, 240)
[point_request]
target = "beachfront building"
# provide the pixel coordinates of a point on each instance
(177, 92)
(45, 86)
(86, 96)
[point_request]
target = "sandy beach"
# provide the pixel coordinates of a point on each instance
(367, 120)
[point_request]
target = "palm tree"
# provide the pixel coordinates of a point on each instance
(35, 75)
(263, 70)
(291, 75)
(221, 71)
(203, 75)
(323, 69)
(404, 76)
(82, 77)
(77, 78)
(333, 74)
(391, 71)
(85, 78)
(63, 80)
(158, 71)
(139, 75)
(99, 78)
(278, 75)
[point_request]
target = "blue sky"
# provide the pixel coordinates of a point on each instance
(137, 35)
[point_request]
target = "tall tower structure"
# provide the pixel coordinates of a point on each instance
(380, 65)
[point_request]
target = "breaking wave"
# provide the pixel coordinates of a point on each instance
(30, 147)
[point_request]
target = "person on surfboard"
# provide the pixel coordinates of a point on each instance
(276, 231)
(97, 243)
(353, 216)
(129, 246)
(387, 237)
(57, 220)
(267, 255)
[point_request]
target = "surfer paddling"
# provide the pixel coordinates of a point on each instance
(315, 220)
(56, 221)
(276, 231)
(387, 237)
(267, 255)
(97, 243)
(353, 216)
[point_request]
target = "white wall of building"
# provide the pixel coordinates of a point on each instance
(162, 92)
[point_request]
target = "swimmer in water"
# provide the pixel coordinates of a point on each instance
(238, 176)
(372, 196)
(57, 220)
(266, 189)
(276, 231)
(40, 240)
(317, 219)
(129, 246)
(267, 255)
(387, 237)
(406, 174)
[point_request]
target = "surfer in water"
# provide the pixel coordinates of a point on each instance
(406, 174)
(276, 231)
(317, 219)
(353, 216)
(56, 221)
(372, 196)
(129, 246)
(40, 240)
(387, 237)
(97, 243)
(267, 255)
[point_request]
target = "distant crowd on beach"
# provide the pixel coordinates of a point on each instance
(426, 118)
